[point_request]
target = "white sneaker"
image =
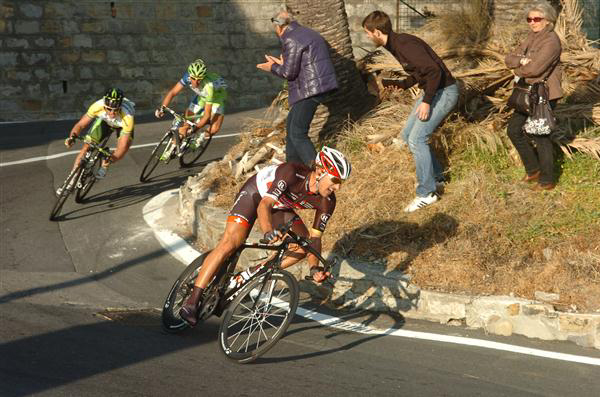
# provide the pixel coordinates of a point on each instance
(241, 278)
(167, 154)
(197, 142)
(101, 173)
(182, 147)
(60, 190)
(421, 202)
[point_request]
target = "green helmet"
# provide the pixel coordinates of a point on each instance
(197, 69)
(113, 98)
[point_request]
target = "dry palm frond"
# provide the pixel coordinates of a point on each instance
(589, 146)
(485, 81)
(568, 26)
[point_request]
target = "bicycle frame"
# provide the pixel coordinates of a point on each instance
(178, 121)
(87, 160)
(226, 272)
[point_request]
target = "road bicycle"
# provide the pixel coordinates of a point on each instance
(171, 145)
(256, 313)
(83, 177)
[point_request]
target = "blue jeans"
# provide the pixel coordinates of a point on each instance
(298, 146)
(416, 134)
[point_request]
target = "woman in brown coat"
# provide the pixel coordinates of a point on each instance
(536, 59)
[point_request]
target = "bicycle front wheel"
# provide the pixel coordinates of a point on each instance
(259, 316)
(67, 187)
(179, 292)
(155, 157)
(192, 153)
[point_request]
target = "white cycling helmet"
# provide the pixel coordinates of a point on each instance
(334, 162)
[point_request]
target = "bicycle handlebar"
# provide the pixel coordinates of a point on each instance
(302, 241)
(283, 229)
(178, 116)
(94, 145)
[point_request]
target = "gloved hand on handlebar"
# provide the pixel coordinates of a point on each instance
(318, 274)
(159, 113)
(69, 141)
(273, 236)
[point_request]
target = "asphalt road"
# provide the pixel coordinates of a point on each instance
(78, 299)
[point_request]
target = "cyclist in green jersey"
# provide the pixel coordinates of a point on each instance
(208, 106)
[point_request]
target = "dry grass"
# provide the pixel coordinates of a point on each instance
(488, 234)
(468, 26)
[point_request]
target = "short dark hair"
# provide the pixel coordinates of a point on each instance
(378, 20)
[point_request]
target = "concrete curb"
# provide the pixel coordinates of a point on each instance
(370, 286)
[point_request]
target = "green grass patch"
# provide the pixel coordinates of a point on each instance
(473, 158)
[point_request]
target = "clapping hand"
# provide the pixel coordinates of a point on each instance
(267, 65)
(278, 61)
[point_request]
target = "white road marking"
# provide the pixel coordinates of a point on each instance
(175, 245)
(336, 322)
(74, 152)
(180, 249)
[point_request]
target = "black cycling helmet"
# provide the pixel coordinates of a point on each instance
(113, 98)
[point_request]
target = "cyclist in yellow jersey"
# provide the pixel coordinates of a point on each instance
(111, 113)
(208, 106)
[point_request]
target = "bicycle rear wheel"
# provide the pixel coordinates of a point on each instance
(67, 187)
(154, 159)
(88, 178)
(259, 316)
(190, 156)
(180, 291)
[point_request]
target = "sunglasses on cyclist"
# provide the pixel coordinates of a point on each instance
(109, 109)
(534, 19)
(335, 180)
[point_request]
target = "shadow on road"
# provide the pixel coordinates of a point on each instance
(53, 359)
(125, 196)
(84, 280)
(358, 316)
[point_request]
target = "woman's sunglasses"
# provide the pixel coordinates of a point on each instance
(535, 19)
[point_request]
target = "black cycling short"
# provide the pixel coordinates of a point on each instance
(246, 203)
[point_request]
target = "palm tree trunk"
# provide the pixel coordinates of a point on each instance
(329, 18)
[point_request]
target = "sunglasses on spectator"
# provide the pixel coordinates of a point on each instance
(109, 109)
(535, 19)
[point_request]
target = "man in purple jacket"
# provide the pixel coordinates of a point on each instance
(306, 65)
(440, 95)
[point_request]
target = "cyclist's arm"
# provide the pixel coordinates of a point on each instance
(83, 122)
(205, 119)
(315, 243)
(264, 209)
(173, 92)
(128, 124)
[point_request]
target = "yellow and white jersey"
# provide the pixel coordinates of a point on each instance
(123, 119)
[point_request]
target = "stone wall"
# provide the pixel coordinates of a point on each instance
(57, 57)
